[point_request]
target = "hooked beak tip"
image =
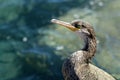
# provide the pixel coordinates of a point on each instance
(53, 20)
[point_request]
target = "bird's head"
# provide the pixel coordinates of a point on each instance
(84, 29)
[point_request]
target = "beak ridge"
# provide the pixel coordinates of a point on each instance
(65, 24)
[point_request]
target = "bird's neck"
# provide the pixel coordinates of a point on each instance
(90, 46)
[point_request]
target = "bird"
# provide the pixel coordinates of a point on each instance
(78, 65)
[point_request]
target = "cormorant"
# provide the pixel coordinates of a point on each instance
(77, 66)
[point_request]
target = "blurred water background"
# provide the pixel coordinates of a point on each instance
(32, 48)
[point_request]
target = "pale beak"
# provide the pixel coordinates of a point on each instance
(65, 24)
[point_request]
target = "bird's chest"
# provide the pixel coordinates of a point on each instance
(73, 70)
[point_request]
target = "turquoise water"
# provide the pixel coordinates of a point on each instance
(32, 48)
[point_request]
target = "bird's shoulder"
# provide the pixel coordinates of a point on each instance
(78, 56)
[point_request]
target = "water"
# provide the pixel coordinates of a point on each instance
(31, 48)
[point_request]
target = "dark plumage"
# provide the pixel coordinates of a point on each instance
(77, 66)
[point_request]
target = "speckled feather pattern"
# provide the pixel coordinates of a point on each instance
(77, 65)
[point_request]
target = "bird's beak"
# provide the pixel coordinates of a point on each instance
(65, 24)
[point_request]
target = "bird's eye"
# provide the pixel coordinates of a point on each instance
(77, 26)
